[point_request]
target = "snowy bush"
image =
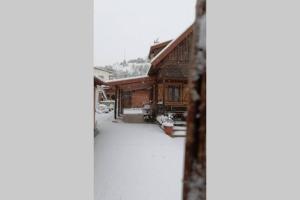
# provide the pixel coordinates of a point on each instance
(168, 124)
(165, 120)
(161, 118)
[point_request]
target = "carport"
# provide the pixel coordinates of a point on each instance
(133, 92)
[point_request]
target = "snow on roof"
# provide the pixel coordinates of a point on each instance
(157, 45)
(98, 80)
(96, 77)
(170, 47)
(103, 69)
(128, 78)
(164, 49)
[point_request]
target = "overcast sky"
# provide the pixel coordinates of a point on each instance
(128, 27)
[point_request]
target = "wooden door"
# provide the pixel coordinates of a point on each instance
(126, 100)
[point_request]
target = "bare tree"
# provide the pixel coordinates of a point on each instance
(194, 187)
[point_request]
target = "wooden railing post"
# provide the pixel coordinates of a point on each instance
(116, 101)
(119, 102)
(194, 187)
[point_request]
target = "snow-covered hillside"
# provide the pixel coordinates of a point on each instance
(133, 67)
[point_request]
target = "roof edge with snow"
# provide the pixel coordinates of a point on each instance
(168, 49)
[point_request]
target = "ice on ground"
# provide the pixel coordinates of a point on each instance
(136, 161)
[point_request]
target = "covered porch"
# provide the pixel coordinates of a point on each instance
(132, 93)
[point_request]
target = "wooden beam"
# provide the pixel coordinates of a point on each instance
(116, 99)
(119, 101)
(138, 86)
(164, 85)
(122, 102)
(130, 81)
(94, 109)
(156, 97)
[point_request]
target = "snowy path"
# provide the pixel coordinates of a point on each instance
(136, 162)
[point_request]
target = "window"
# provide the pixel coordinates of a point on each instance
(174, 93)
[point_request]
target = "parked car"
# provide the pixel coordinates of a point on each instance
(103, 108)
(109, 103)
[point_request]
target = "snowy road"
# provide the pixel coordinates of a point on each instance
(136, 162)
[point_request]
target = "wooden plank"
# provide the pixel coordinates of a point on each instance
(164, 91)
(130, 81)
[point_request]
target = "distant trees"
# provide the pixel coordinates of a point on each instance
(130, 68)
(123, 63)
(109, 67)
(138, 60)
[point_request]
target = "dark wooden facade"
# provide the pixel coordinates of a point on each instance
(169, 68)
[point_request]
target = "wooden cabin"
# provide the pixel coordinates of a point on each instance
(169, 69)
(165, 86)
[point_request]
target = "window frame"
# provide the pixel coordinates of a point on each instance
(170, 96)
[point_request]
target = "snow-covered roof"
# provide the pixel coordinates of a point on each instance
(163, 50)
(103, 69)
(128, 78)
(98, 80)
(172, 45)
(158, 45)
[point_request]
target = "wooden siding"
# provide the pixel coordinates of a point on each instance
(160, 92)
(139, 98)
(178, 72)
(185, 92)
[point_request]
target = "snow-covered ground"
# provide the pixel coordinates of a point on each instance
(133, 111)
(136, 162)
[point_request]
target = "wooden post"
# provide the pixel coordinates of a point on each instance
(164, 91)
(195, 151)
(119, 101)
(116, 99)
(94, 108)
(154, 100)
